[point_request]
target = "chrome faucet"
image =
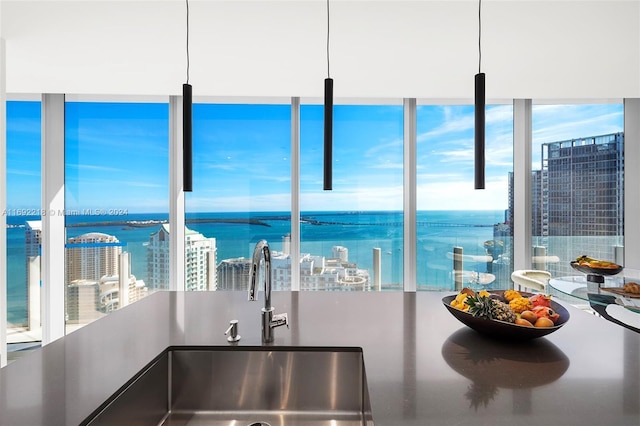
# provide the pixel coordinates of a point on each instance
(269, 320)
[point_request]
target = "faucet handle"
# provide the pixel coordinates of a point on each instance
(279, 320)
(232, 331)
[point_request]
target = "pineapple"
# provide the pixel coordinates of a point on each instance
(503, 312)
(480, 306)
(481, 393)
(485, 307)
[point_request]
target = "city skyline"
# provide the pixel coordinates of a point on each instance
(117, 155)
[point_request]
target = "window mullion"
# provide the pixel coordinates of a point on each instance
(294, 254)
(410, 137)
(631, 192)
(53, 226)
(3, 205)
(522, 190)
(176, 198)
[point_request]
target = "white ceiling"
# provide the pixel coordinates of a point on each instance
(568, 49)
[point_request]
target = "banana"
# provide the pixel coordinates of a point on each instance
(594, 263)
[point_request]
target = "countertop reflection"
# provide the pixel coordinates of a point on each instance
(492, 364)
(423, 366)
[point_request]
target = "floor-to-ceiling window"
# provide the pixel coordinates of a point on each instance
(352, 236)
(23, 215)
(462, 233)
(577, 184)
(241, 194)
(116, 200)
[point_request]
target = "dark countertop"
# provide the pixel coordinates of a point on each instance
(422, 365)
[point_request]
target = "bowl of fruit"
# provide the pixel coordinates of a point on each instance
(589, 265)
(507, 314)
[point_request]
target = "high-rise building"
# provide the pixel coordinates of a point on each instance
(536, 203)
(32, 240)
(539, 222)
(340, 252)
(200, 255)
(91, 256)
(83, 301)
(578, 193)
(316, 272)
(320, 273)
(32, 237)
(581, 186)
(158, 277)
(234, 274)
(99, 278)
(130, 289)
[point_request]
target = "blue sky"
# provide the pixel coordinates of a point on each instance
(23, 155)
(117, 155)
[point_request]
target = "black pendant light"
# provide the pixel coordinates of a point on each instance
(187, 123)
(328, 121)
(479, 112)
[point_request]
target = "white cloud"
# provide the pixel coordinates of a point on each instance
(23, 173)
(388, 166)
(94, 168)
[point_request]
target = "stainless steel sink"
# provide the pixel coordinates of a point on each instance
(242, 386)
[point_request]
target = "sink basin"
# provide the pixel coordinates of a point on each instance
(243, 386)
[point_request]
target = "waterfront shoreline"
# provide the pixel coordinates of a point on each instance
(151, 223)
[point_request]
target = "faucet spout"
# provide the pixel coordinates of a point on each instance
(262, 255)
(261, 252)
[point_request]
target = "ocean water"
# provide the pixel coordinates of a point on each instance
(236, 234)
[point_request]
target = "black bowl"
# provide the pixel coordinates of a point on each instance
(598, 271)
(505, 330)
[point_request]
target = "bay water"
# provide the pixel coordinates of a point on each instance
(236, 234)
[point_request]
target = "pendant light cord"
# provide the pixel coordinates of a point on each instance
(328, 73)
(479, 35)
(187, 3)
